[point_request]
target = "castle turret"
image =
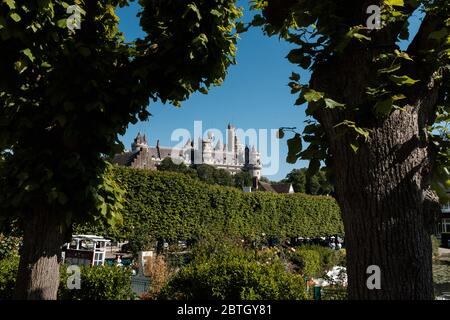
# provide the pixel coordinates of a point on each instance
(230, 138)
(140, 143)
(255, 163)
(208, 149)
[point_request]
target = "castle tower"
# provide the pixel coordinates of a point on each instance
(218, 153)
(208, 149)
(255, 163)
(140, 143)
(230, 144)
(239, 152)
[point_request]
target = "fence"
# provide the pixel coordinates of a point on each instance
(326, 293)
(140, 284)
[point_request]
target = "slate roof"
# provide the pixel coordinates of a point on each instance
(125, 159)
(282, 187)
(264, 186)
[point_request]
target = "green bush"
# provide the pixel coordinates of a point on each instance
(176, 207)
(8, 273)
(9, 246)
(308, 264)
(233, 273)
(308, 261)
(98, 283)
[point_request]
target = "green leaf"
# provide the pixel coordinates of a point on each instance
(297, 56)
(404, 55)
(384, 107)
(354, 147)
(11, 4)
(390, 69)
(362, 132)
(15, 17)
(294, 148)
(331, 104)
(46, 65)
(29, 54)
(439, 34)
(301, 100)
(398, 97)
(295, 77)
(192, 7)
(403, 80)
(395, 3)
(20, 66)
(313, 96)
(203, 90)
(361, 36)
(62, 23)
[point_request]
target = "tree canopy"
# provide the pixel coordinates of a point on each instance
(303, 182)
(209, 174)
(391, 79)
(66, 96)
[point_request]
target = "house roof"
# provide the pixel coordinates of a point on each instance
(264, 186)
(282, 187)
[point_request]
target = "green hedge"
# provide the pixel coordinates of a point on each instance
(98, 283)
(174, 206)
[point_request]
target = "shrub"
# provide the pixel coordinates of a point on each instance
(328, 258)
(8, 273)
(157, 269)
(308, 261)
(234, 279)
(9, 246)
(98, 283)
(231, 272)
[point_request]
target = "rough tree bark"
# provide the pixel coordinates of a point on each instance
(383, 188)
(38, 275)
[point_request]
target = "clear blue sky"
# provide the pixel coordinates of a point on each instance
(254, 95)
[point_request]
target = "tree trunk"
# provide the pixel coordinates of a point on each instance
(383, 188)
(380, 190)
(38, 275)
